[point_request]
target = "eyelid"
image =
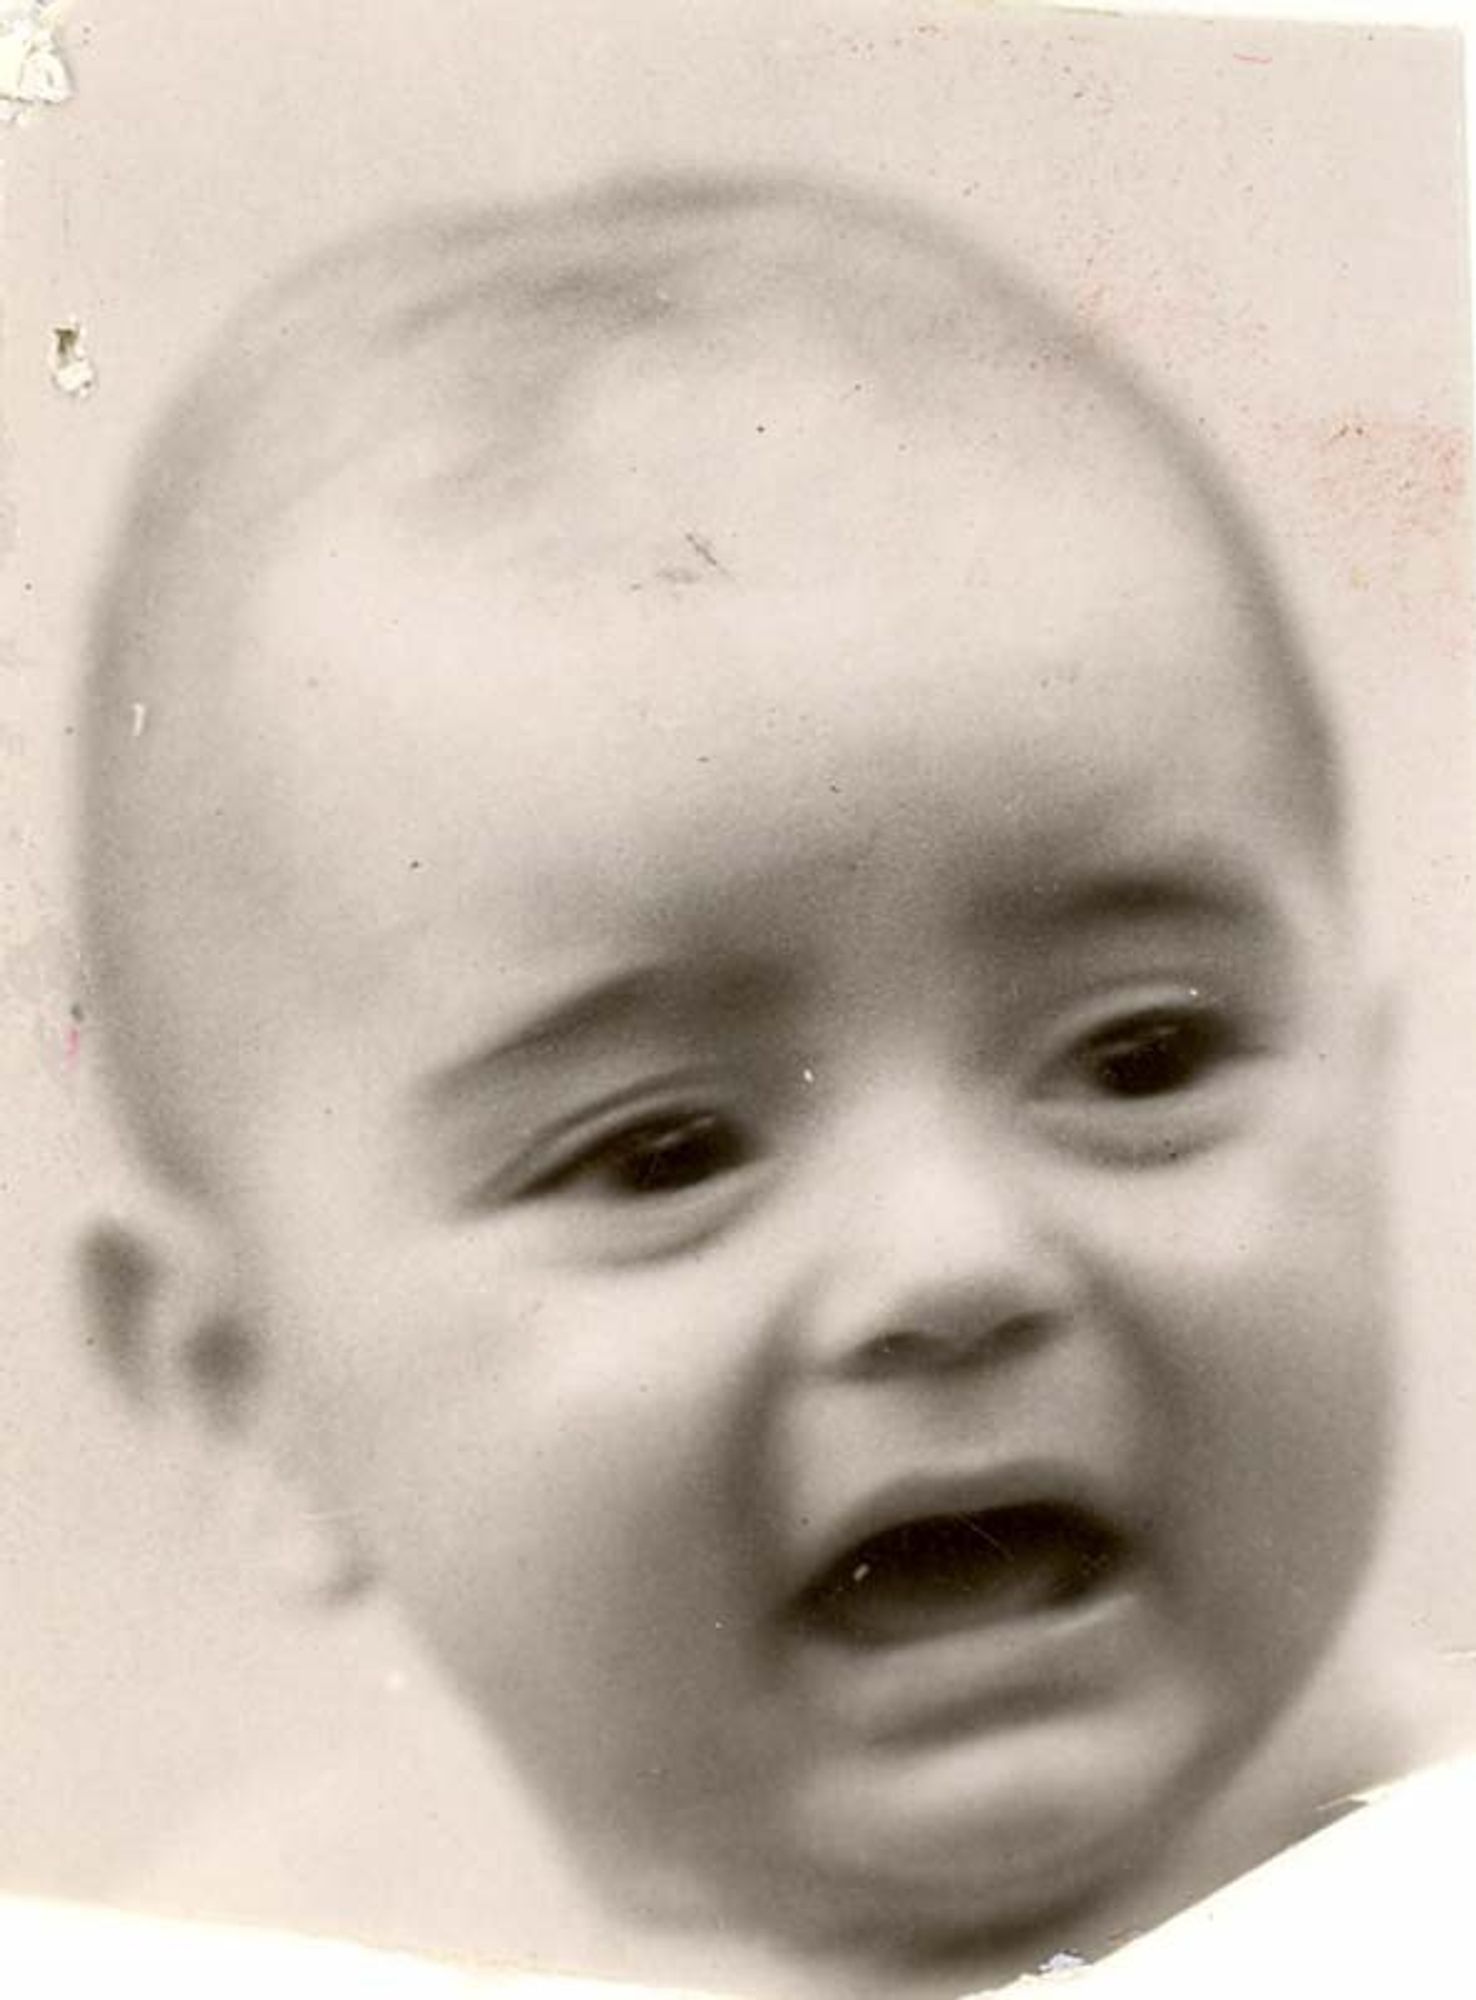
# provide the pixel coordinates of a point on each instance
(607, 1158)
(558, 1148)
(1124, 1006)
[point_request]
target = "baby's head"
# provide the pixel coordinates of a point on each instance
(715, 884)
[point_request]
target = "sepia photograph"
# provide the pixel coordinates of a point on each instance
(738, 932)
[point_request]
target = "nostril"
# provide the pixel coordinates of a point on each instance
(952, 1343)
(892, 1351)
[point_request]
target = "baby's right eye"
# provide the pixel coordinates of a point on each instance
(658, 1155)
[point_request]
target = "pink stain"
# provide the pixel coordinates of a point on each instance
(72, 1048)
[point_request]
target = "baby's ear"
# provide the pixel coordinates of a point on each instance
(168, 1316)
(164, 1314)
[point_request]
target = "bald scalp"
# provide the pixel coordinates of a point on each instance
(444, 365)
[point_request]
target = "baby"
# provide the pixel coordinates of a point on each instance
(715, 883)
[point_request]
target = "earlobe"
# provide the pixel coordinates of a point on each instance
(166, 1317)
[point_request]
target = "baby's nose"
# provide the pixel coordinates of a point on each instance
(938, 1250)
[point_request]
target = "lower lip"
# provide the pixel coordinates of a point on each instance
(1019, 1668)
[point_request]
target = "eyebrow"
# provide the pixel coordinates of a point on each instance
(1183, 887)
(598, 1012)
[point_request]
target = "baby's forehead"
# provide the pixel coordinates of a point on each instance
(714, 516)
(752, 551)
(763, 454)
(481, 366)
(710, 670)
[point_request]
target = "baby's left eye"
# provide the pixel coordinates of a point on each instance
(1152, 1053)
(1145, 1084)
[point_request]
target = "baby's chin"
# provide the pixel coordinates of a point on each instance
(991, 1868)
(966, 1867)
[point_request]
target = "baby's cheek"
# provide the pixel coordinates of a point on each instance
(1274, 1383)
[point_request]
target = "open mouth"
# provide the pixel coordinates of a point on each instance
(952, 1572)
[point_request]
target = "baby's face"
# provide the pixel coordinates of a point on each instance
(808, 1180)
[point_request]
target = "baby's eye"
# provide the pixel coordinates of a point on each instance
(1151, 1053)
(1150, 1083)
(664, 1154)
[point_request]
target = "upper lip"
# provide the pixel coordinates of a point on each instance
(932, 1494)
